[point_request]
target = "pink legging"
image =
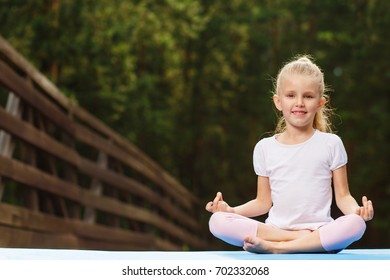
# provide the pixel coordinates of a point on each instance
(336, 235)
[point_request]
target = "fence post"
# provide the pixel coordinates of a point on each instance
(96, 188)
(6, 145)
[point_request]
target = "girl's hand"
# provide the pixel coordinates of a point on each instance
(218, 205)
(367, 210)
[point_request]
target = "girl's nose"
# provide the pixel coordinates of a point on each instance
(299, 102)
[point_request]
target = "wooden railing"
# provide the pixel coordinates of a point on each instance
(68, 181)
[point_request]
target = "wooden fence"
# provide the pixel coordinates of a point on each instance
(69, 181)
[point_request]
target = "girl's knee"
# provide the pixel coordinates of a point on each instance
(216, 222)
(356, 225)
(340, 233)
(232, 228)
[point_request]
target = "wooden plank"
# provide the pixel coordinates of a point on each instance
(30, 176)
(39, 92)
(89, 137)
(153, 169)
(29, 94)
(14, 237)
(42, 141)
(11, 237)
(87, 118)
(83, 115)
(31, 71)
(18, 217)
(26, 91)
(158, 172)
(130, 185)
(37, 138)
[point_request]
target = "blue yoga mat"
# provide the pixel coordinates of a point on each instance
(60, 254)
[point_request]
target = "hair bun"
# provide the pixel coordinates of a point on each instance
(304, 59)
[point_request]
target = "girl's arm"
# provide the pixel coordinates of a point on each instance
(261, 204)
(256, 207)
(344, 200)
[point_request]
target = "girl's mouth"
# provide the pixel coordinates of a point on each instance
(299, 113)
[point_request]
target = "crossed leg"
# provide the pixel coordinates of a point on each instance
(234, 229)
(310, 243)
(258, 237)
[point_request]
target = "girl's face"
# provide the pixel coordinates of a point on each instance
(299, 100)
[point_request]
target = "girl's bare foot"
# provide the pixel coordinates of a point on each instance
(308, 243)
(259, 246)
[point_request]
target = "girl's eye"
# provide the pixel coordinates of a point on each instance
(308, 96)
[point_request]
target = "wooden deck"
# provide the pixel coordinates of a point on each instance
(68, 181)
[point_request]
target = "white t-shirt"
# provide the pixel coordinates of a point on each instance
(300, 178)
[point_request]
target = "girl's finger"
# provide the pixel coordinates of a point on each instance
(209, 205)
(217, 198)
(370, 208)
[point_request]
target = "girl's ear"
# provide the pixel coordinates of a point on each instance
(277, 102)
(322, 102)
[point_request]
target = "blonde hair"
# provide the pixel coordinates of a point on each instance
(303, 65)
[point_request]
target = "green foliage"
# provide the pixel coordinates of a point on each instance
(190, 81)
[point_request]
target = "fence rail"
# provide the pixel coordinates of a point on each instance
(69, 181)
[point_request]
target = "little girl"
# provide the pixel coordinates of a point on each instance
(295, 169)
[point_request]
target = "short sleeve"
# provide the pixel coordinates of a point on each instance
(338, 154)
(259, 164)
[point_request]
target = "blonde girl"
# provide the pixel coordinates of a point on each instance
(295, 168)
